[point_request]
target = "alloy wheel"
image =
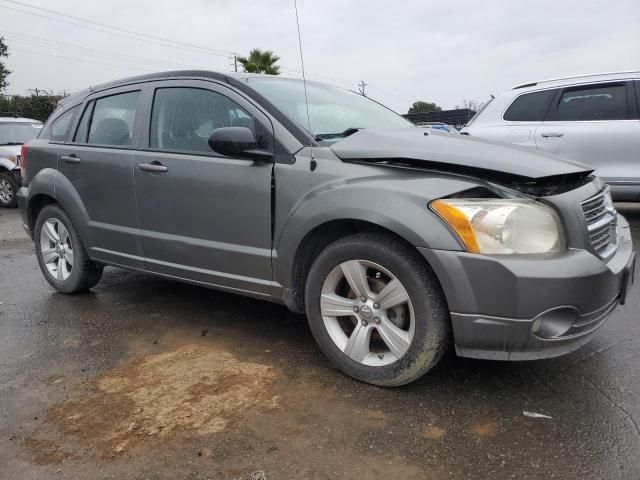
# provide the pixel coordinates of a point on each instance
(56, 249)
(367, 313)
(6, 190)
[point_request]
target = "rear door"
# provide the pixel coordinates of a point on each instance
(523, 116)
(596, 124)
(204, 217)
(99, 163)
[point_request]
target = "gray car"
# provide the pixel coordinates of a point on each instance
(394, 240)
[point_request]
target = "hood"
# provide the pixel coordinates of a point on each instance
(9, 150)
(460, 154)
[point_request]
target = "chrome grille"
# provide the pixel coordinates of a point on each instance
(600, 216)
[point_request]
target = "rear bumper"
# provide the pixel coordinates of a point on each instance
(21, 196)
(526, 308)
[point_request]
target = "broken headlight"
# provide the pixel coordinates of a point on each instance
(499, 226)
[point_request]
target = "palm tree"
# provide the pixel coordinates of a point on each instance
(260, 61)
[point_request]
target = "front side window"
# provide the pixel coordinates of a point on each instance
(112, 120)
(593, 102)
(59, 129)
(333, 112)
(530, 107)
(17, 133)
(183, 118)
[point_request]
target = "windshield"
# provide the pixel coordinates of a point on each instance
(334, 113)
(17, 133)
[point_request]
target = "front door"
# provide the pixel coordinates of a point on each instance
(203, 216)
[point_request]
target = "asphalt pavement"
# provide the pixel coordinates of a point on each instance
(144, 378)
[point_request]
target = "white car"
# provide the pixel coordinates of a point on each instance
(592, 119)
(13, 133)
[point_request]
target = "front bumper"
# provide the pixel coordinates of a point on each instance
(530, 307)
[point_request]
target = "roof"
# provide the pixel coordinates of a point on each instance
(226, 77)
(18, 120)
(583, 78)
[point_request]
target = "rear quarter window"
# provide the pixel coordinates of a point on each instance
(58, 129)
(530, 107)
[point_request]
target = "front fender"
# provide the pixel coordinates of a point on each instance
(398, 205)
(52, 183)
(6, 163)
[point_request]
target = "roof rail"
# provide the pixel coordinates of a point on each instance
(532, 84)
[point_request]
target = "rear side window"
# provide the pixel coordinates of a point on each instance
(183, 117)
(112, 119)
(530, 107)
(593, 102)
(59, 129)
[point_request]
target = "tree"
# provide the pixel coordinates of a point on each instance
(4, 73)
(260, 61)
(423, 107)
(474, 105)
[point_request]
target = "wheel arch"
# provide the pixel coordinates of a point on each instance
(320, 237)
(48, 187)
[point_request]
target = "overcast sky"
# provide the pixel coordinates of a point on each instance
(442, 51)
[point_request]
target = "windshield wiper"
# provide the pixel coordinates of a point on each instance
(344, 134)
(11, 143)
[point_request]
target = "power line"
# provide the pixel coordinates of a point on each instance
(82, 60)
(56, 45)
(118, 31)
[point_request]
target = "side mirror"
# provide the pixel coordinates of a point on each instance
(238, 142)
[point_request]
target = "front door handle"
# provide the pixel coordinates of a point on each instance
(70, 158)
(552, 134)
(156, 167)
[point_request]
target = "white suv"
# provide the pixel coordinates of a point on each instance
(13, 133)
(593, 119)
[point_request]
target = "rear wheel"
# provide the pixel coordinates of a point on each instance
(8, 190)
(376, 309)
(61, 255)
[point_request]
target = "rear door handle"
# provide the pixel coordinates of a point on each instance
(552, 134)
(70, 158)
(153, 167)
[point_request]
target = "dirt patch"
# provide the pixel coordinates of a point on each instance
(434, 433)
(47, 452)
(484, 429)
(196, 388)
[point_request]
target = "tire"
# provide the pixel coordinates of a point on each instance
(8, 190)
(78, 275)
(384, 259)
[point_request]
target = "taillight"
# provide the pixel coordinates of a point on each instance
(23, 160)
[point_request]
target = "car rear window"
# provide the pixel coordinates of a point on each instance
(530, 107)
(593, 102)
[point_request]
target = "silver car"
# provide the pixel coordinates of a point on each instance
(14, 132)
(593, 119)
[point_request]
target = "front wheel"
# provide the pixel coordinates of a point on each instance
(8, 190)
(61, 254)
(376, 309)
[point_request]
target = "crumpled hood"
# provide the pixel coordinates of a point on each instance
(459, 153)
(9, 150)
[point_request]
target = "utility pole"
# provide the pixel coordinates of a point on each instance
(361, 87)
(235, 62)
